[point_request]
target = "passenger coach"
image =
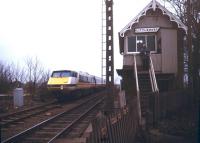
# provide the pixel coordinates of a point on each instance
(71, 83)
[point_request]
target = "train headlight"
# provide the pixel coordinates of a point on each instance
(61, 87)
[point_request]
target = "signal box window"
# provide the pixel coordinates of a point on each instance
(151, 43)
(137, 43)
(132, 44)
(141, 43)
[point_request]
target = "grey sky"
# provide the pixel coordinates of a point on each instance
(62, 34)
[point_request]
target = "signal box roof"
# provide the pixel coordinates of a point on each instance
(152, 5)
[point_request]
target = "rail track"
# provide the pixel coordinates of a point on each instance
(8, 119)
(16, 122)
(50, 129)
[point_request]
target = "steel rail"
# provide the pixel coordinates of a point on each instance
(30, 130)
(68, 128)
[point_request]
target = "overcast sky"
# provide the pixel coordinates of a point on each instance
(63, 34)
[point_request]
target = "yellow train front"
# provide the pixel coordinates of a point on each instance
(68, 84)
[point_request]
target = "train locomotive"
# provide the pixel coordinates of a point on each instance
(68, 84)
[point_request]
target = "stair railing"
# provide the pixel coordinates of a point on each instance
(153, 76)
(156, 91)
(151, 79)
(138, 90)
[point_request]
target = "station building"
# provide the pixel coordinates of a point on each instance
(162, 34)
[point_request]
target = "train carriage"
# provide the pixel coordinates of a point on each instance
(68, 84)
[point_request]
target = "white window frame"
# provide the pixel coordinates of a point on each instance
(126, 43)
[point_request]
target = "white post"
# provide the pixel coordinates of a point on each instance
(18, 97)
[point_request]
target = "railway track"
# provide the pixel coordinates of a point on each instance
(8, 119)
(62, 123)
(16, 122)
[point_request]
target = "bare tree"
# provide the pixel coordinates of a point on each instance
(34, 73)
(32, 77)
(5, 78)
(18, 75)
(42, 85)
(189, 13)
(44, 77)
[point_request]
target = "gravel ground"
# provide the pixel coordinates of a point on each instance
(183, 123)
(6, 104)
(180, 127)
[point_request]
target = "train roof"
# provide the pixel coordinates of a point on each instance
(80, 73)
(64, 71)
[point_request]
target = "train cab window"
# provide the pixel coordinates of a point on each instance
(74, 74)
(65, 74)
(55, 74)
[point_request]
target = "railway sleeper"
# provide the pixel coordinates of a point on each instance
(45, 133)
(13, 118)
(11, 126)
(63, 122)
(69, 119)
(82, 124)
(13, 130)
(54, 125)
(74, 135)
(77, 131)
(14, 123)
(20, 122)
(52, 129)
(72, 115)
(36, 140)
(5, 121)
(4, 129)
(71, 140)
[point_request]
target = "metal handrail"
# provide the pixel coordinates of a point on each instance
(151, 79)
(155, 85)
(138, 90)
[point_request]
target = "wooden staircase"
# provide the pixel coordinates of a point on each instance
(145, 92)
(146, 87)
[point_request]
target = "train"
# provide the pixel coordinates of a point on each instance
(69, 84)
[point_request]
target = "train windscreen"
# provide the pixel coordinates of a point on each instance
(64, 74)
